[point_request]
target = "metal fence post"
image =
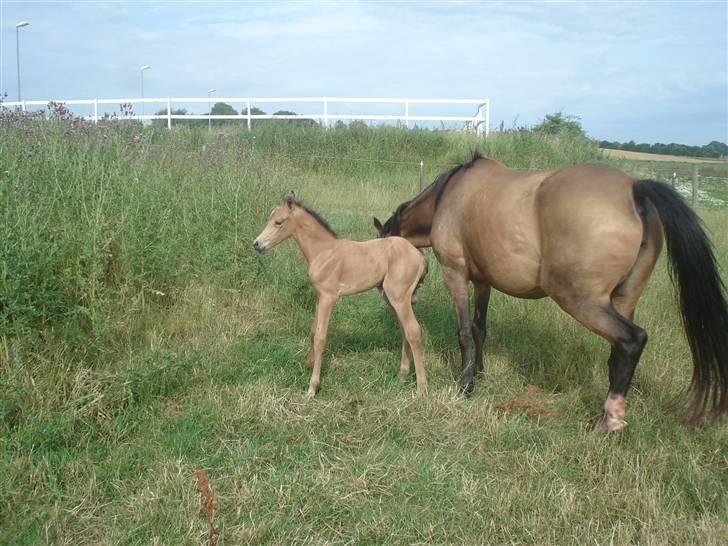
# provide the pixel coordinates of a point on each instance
(169, 113)
(695, 185)
(406, 113)
(249, 121)
(326, 112)
(422, 173)
(96, 110)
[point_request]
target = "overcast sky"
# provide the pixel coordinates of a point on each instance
(643, 71)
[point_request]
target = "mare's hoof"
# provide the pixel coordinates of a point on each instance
(467, 389)
(609, 424)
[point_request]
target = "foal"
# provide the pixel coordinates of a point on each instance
(339, 267)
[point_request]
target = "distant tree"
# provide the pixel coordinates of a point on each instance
(296, 122)
(713, 149)
(176, 122)
(561, 125)
(223, 109)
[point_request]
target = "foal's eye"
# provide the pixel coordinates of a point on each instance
(279, 222)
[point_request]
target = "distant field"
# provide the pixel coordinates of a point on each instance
(150, 358)
(624, 154)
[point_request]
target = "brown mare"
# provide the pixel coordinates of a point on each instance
(339, 267)
(586, 236)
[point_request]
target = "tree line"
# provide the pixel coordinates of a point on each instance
(224, 109)
(713, 149)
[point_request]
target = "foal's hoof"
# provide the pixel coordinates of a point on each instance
(310, 394)
(607, 423)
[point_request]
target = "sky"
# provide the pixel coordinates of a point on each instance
(645, 71)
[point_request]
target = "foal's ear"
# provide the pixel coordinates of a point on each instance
(290, 199)
(378, 226)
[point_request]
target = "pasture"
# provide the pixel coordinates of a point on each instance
(146, 351)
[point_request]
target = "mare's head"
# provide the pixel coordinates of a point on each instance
(280, 226)
(393, 225)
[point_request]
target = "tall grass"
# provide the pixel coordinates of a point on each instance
(141, 338)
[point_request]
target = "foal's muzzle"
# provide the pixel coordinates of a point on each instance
(257, 246)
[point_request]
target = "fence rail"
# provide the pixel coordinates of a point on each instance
(480, 122)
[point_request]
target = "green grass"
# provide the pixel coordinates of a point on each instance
(141, 338)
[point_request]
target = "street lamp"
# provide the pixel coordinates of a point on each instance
(209, 110)
(18, 26)
(141, 72)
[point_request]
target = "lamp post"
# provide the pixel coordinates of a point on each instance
(209, 109)
(141, 72)
(18, 26)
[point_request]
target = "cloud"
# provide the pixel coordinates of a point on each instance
(627, 69)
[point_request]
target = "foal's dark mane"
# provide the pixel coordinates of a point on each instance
(316, 216)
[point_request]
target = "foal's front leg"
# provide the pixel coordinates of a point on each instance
(324, 305)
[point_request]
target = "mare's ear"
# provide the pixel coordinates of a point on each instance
(378, 226)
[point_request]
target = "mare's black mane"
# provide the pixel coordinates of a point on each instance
(438, 186)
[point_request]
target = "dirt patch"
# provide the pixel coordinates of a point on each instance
(532, 406)
(208, 503)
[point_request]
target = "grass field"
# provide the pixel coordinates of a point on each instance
(147, 351)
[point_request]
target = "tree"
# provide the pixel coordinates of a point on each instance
(223, 109)
(560, 125)
(296, 122)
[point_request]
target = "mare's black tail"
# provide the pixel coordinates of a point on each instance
(701, 296)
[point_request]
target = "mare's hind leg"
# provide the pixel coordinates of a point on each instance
(482, 297)
(627, 340)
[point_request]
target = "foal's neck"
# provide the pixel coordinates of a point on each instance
(311, 236)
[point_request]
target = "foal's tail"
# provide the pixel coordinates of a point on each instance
(701, 295)
(422, 276)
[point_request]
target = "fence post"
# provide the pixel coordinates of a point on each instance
(96, 110)
(248, 102)
(326, 112)
(674, 179)
(169, 113)
(422, 173)
(695, 185)
(406, 113)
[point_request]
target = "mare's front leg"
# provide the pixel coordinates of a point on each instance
(457, 283)
(324, 305)
(482, 298)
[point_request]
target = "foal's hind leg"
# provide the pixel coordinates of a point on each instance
(404, 362)
(627, 340)
(401, 302)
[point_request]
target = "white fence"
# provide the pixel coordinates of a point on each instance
(480, 122)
